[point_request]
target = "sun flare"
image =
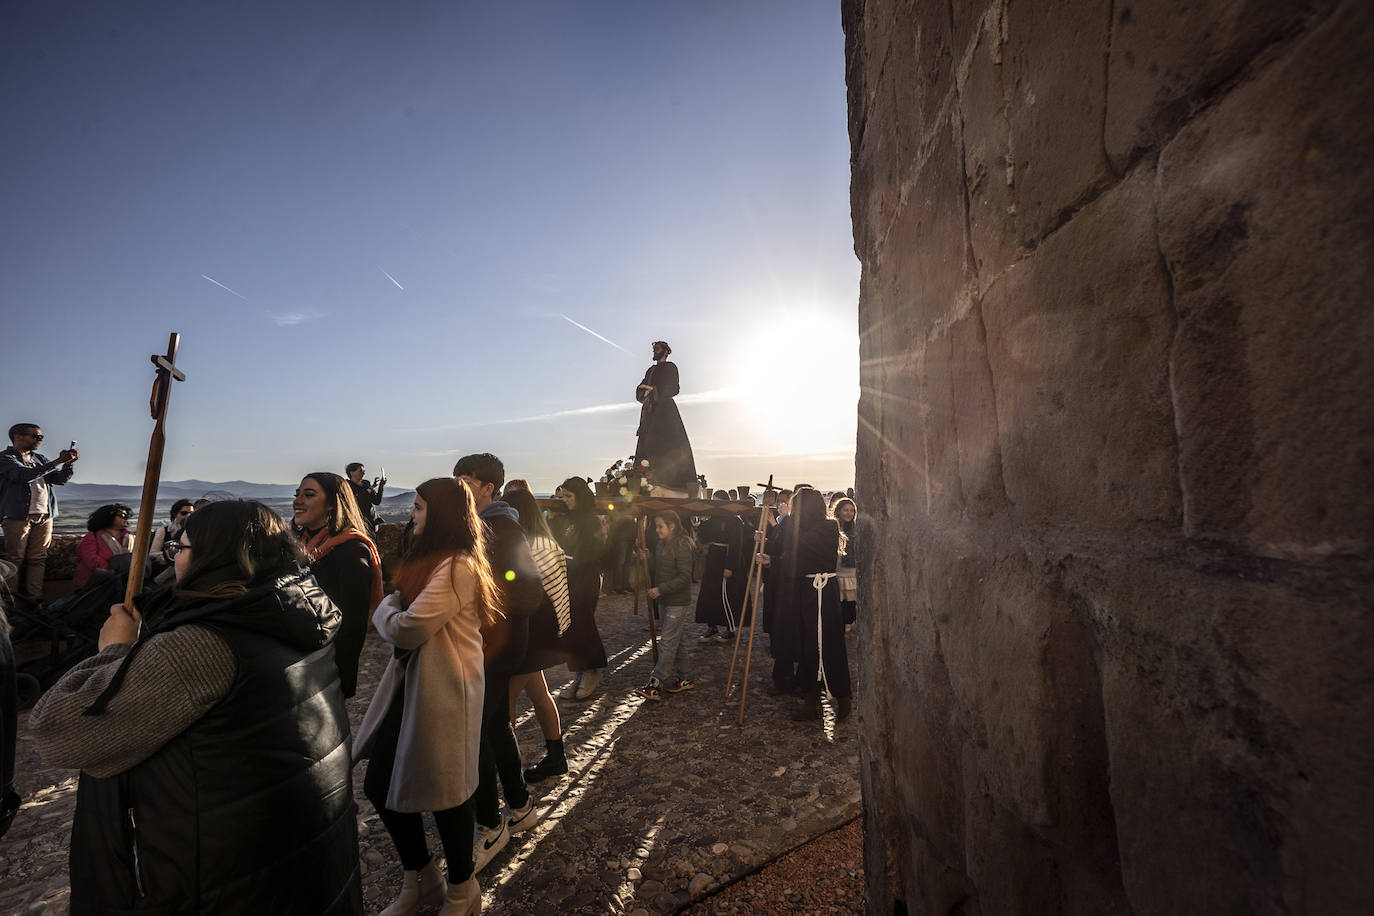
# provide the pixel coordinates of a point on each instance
(808, 380)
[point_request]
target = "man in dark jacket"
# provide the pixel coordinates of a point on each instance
(522, 592)
(367, 495)
(28, 506)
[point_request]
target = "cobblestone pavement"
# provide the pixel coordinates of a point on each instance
(664, 803)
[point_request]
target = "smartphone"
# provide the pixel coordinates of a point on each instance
(72, 447)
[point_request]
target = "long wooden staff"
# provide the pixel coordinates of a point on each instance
(648, 602)
(751, 600)
(162, 389)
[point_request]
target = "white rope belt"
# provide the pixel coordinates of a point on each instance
(819, 582)
(730, 621)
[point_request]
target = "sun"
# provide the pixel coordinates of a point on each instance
(810, 384)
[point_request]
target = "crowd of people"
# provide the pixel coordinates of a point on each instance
(210, 727)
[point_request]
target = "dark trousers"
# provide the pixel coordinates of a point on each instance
(831, 648)
(455, 825)
(784, 674)
(9, 705)
(499, 757)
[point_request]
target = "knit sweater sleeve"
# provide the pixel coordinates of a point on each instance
(176, 678)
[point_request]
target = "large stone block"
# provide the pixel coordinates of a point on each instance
(1266, 211)
(1228, 712)
(1057, 93)
(1167, 58)
(916, 758)
(1079, 337)
(989, 165)
(959, 422)
(907, 86)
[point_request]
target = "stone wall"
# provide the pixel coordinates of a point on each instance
(1115, 432)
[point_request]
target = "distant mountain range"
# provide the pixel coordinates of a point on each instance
(195, 489)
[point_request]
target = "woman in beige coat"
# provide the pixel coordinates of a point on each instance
(421, 731)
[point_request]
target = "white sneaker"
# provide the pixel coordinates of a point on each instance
(490, 841)
(526, 816)
(591, 680)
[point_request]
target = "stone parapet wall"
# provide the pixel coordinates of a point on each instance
(1116, 432)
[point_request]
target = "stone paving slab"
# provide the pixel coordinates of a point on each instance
(664, 803)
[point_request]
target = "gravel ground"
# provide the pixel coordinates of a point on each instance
(823, 876)
(665, 804)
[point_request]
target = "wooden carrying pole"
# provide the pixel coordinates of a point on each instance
(648, 602)
(752, 588)
(162, 389)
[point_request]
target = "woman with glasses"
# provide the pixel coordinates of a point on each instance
(107, 537)
(211, 736)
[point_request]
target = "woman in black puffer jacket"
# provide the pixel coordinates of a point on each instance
(214, 744)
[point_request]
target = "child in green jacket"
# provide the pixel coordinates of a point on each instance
(673, 558)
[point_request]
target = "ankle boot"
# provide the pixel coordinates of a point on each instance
(553, 764)
(810, 707)
(591, 679)
(418, 888)
(462, 899)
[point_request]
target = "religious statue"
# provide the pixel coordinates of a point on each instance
(662, 437)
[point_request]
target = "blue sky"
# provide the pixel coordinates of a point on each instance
(407, 202)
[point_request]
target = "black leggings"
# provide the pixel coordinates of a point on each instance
(455, 825)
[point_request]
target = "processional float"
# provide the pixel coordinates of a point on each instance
(644, 506)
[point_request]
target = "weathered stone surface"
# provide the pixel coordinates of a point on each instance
(1056, 92)
(1167, 58)
(989, 165)
(1252, 766)
(917, 42)
(1115, 441)
(1266, 219)
(1079, 340)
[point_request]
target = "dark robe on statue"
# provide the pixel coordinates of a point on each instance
(662, 437)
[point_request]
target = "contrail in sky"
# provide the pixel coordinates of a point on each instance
(392, 279)
(223, 287)
(593, 333)
(714, 396)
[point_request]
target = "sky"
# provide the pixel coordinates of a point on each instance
(401, 232)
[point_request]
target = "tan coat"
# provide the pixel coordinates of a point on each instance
(441, 721)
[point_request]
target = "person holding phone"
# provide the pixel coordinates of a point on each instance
(367, 494)
(28, 506)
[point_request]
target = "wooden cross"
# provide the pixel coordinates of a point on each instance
(167, 371)
(753, 589)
